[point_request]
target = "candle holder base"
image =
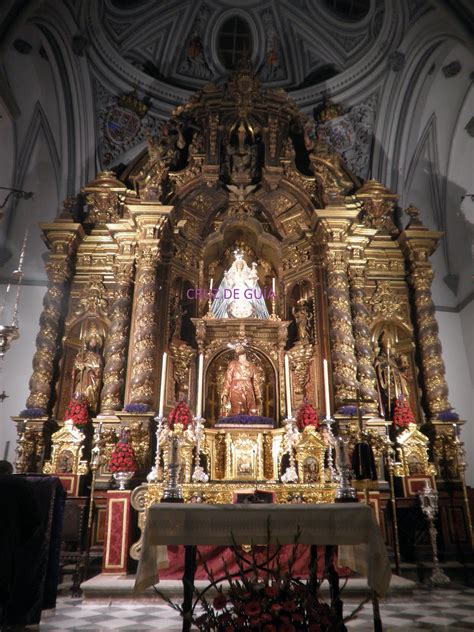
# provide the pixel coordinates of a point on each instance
(172, 496)
(439, 578)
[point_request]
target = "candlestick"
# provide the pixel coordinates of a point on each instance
(199, 387)
(326, 389)
(273, 315)
(162, 385)
(209, 302)
(289, 413)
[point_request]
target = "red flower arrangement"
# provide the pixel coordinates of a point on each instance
(123, 457)
(78, 411)
(306, 416)
(181, 414)
(402, 414)
(275, 602)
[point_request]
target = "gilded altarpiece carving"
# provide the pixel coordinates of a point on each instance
(234, 178)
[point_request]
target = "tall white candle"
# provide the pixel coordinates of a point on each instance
(326, 389)
(163, 384)
(289, 412)
(273, 286)
(199, 386)
(210, 285)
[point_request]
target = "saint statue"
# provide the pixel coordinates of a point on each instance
(391, 381)
(302, 316)
(176, 318)
(241, 158)
(87, 371)
(241, 392)
(239, 294)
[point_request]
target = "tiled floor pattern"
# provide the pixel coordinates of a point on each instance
(441, 610)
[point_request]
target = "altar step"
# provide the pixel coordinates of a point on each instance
(119, 588)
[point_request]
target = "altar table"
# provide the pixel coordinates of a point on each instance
(351, 526)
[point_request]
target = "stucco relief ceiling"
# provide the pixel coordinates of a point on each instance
(293, 44)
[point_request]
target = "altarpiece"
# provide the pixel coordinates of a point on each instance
(240, 242)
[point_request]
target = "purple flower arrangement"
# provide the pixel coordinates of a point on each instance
(32, 413)
(246, 420)
(448, 415)
(349, 410)
(137, 409)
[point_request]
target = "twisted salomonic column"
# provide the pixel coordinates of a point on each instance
(115, 352)
(340, 328)
(144, 327)
(362, 345)
(61, 236)
(436, 388)
(418, 242)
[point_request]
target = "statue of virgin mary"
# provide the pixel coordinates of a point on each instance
(239, 294)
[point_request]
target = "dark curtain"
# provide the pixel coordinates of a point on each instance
(32, 511)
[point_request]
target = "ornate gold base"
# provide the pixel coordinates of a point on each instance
(221, 493)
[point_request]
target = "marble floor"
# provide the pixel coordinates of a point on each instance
(441, 610)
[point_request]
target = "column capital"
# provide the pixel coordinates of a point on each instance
(62, 236)
(149, 219)
(417, 241)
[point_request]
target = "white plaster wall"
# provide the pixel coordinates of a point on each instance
(458, 358)
(15, 368)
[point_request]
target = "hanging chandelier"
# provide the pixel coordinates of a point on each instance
(10, 332)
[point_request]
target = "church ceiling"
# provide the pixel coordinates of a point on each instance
(293, 44)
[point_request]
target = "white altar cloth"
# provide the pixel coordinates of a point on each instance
(351, 526)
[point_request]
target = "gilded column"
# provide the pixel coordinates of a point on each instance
(61, 236)
(149, 221)
(418, 243)
(143, 343)
(115, 352)
(436, 388)
(343, 358)
(362, 344)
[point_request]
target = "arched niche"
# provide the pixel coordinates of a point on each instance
(256, 244)
(73, 343)
(181, 308)
(402, 348)
(214, 377)
(300, 298)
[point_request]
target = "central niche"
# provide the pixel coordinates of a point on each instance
(215, 383)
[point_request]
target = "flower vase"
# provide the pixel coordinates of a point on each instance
(123, 479)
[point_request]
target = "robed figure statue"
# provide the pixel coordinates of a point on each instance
(241, 390)
(391, 381)
(87, 372)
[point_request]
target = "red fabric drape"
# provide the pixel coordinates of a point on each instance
(216, 555)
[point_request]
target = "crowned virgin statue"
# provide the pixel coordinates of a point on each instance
(239, 294)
